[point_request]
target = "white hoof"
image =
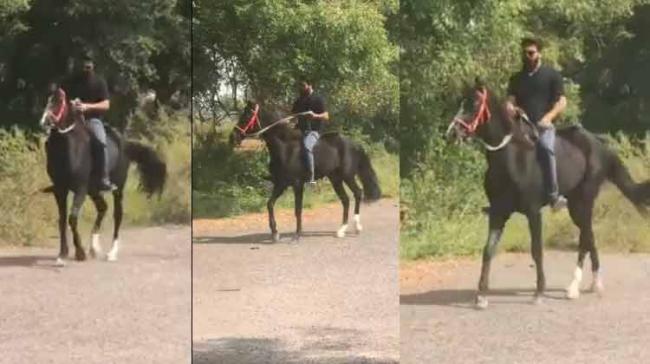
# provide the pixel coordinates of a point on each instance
(340, 233)
(573, 292)
(537, 299)
(59, 262)
(275, 237)
(597, 285)
(95, 249)
(481, 302)
(357, 223)
(112, 254)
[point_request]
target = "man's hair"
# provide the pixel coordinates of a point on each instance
(87, 57)
(528, 41)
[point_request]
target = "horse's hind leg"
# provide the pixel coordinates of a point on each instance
(73, 220)
(117, 221)
(298, 190)
(277, 191)
(345, 200)
(95, 249)
(535, 227)
(581, 213)
(356, 191)
(62, 203)
(497, 223)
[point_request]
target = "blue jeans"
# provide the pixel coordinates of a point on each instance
(97, 129)
(547, 145)
(309, 140)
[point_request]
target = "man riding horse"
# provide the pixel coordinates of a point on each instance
(311, 123)
(92, 99)
(538, 90)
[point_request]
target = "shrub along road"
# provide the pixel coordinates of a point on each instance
(324, 300)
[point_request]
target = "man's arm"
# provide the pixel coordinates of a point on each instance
(558, 108)
(101, 106)
(318, 110)
(557, 91)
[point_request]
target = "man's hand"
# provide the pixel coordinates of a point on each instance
(310, 114)
(545, 122)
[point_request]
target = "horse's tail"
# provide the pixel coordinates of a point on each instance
(637, 193)
(153, 171)
(369, 181)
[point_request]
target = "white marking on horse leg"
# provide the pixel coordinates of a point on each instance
(357, 223)
(340, 233)
(481, 302)
(573, 291)
(597, 283)
(59, 262)
(95, 249)
(112, 254)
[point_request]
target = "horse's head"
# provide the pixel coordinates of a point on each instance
(473, 113)
(248, 123)
(59, 111)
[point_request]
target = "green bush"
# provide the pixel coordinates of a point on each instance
(442, 201)
(30, 216)
(229, 182)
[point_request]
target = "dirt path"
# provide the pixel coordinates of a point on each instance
(440, 325)
(135, 310)
(324, 300)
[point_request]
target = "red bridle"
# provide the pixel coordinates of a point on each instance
(482, 115)
(251, 122)
(63, 107)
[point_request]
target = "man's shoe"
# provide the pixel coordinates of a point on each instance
(559, 203)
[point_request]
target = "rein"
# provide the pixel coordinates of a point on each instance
(482, 116)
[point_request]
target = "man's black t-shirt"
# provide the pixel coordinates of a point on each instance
(313, 102)
(536, 93)
(91, 89)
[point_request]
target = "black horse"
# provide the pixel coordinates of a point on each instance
(514, 180)
(73, 167)
(335, 157)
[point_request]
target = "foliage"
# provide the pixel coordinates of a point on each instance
(261, 48)
(600, 47)
(138, 46)
(31, 215)
(227, 182)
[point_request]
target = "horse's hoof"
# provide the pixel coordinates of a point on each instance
(59, 262)
(481, 302)
(572, 292)
(357, 224)
(275, 237)
(80, 255)
(340, 233)
(537, 299)
(598, 288)
(111, 256)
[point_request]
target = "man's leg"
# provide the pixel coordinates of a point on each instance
(97, 128)
(310, 140)
(547, 143)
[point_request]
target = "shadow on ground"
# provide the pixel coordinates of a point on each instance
(33, 261)
(466, 297)
(318, 345)
(257, 238)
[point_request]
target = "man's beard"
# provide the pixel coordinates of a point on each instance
(530, 65)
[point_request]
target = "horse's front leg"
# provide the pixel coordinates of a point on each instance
(277, 191)
(61, 197)
(535, 228)
(345, 201)
(95, 249)
(497, 223)
(73, 220)
(298, 191)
